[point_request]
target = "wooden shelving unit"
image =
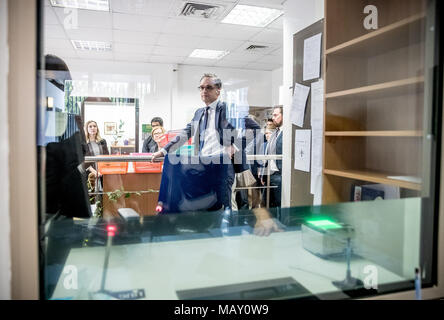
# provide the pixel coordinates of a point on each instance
(381, 40)
(374, 96)
(398, 87)
(372, 176)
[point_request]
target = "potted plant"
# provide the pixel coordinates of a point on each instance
(119, 133)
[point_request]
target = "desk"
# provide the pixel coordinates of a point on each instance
(145, 204)
(162, 268)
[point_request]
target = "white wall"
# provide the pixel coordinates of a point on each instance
(151, 83)
(111, 113)
(298, 14)
(170, 90)
(277, 78)
(5, 250)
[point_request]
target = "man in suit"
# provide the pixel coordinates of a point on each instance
(214, 136)
(149, 145)
(274, 146)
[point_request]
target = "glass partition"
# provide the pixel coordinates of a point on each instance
(260, 254)
(165, 174)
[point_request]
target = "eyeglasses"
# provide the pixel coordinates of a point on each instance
(209, 88)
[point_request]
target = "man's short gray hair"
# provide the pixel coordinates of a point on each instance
(217, 82)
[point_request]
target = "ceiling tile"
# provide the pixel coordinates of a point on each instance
(269, 36)
(262, 66)
(219, 44)
(85, 18)
(54, 31)
(136, 37)
(148, 24)
(244, 57)
(164, 59)
(90, 34)
(189, 27)
(143, 7)
(275, 4)
(95, 55)
(235, 32)
(230, 64)
(171, 51)
(180, 41)
(278, 52)
(200, 62)
(277, 24)
(131, 48)
(132, 57)
(271, 59)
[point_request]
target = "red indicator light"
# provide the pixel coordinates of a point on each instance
(111, 230)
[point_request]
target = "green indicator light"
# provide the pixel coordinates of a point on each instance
(324, 224)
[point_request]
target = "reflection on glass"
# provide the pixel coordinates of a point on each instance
(194, 179)
(186, 256)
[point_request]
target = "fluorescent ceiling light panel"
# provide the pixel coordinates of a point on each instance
(96, 46)
(208, 54)
(99, 5)
(252, 16)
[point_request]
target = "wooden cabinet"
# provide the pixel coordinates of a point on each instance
(374, 96)
(145, 203)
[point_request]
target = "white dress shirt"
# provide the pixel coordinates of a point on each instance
(212, 146)
(272, 144)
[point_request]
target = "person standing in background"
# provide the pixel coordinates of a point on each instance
(96, 146)
(262, 171)
(275, 147)
(158, 136)
(149, 145)
(208, 127)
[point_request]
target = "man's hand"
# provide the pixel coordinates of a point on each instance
(264, 223)
(263, 228)
(156, 155)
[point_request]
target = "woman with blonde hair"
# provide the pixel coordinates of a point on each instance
(158, 135)
(96, 145)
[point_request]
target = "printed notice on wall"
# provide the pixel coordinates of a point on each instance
(302, 150)
(312, 57)
(300, 97)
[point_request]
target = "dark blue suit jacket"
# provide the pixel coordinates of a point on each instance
(227, 135)
(279, 151)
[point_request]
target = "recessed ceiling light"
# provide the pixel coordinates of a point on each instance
(99, 5)
(208, 54)
(97, 46)
(252, 16)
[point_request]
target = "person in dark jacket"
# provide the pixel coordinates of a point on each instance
(149, 145)
(96, 146)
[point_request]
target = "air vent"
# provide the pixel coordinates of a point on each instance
(256, 48)
(200, 10)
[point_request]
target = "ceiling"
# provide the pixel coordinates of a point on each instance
(151, 31)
